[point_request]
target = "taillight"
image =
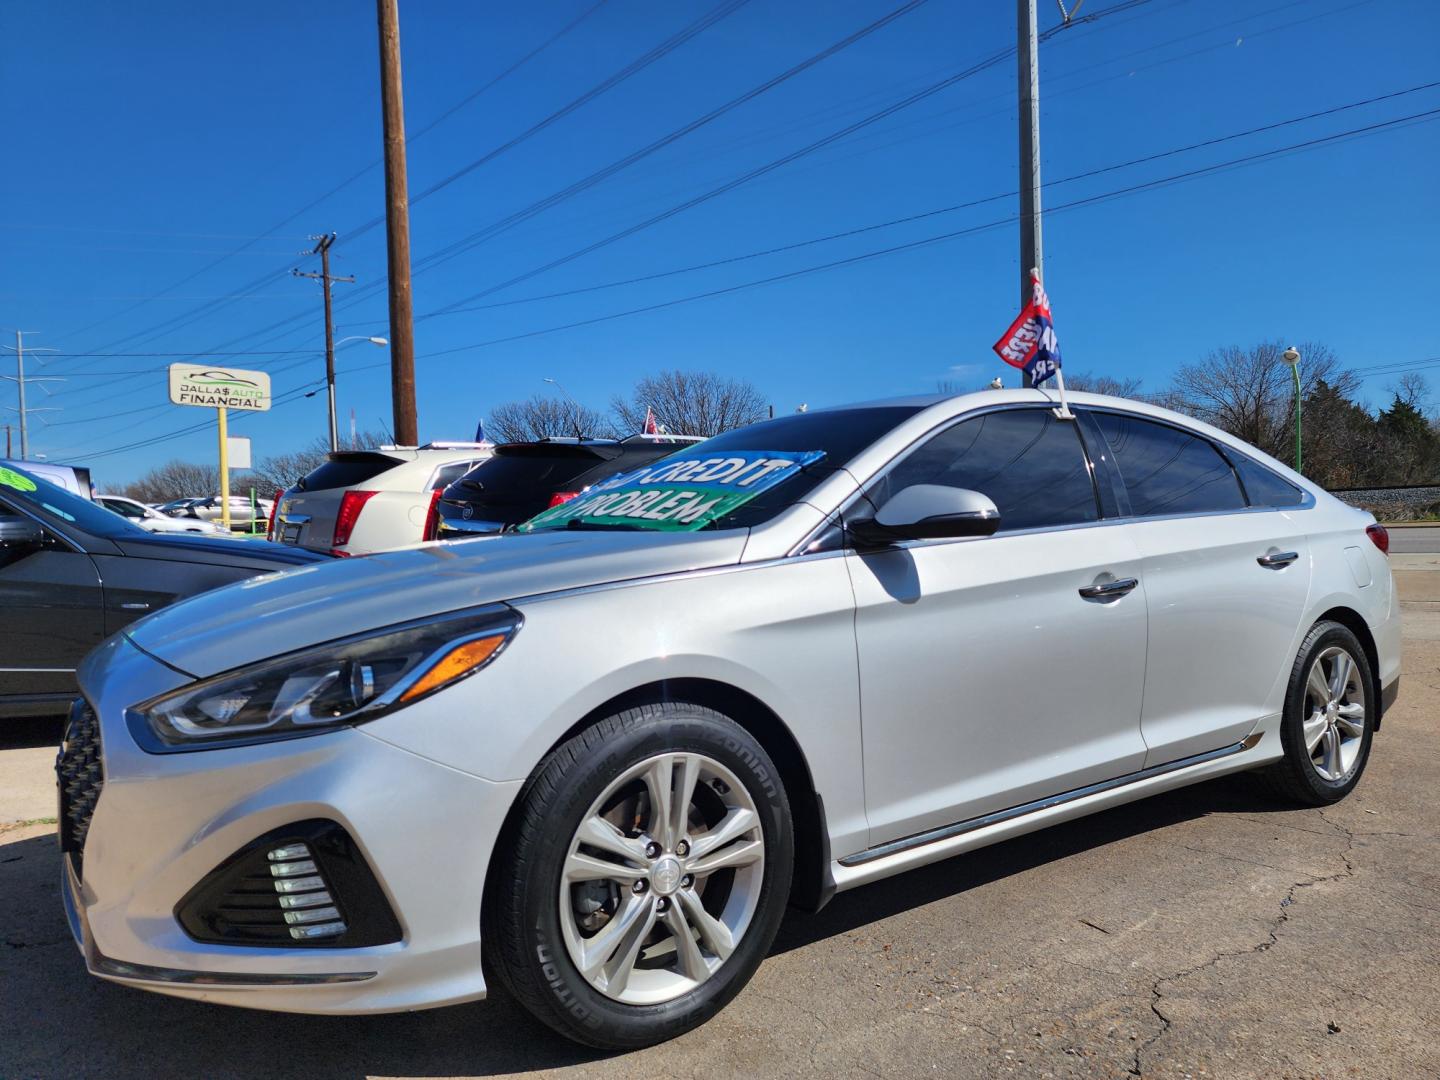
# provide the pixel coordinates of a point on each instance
(351, 503)
(432, 518)
(274, 509)
(1380, 537)
(561, 497)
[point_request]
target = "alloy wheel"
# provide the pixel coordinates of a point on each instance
(662, 878)
(1334, 724)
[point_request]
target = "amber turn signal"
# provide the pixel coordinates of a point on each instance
(461, 660)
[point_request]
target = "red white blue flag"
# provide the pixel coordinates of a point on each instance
(1030, 342)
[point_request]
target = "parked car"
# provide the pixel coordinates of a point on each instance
(73, 572)
(522, 479)
(243, 513)
(152, 520)
(177, 507)
(361, 501)
(73, 478)
(595, 757)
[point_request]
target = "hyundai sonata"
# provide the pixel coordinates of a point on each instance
(595, 759)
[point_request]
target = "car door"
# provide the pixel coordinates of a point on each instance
(988, 679)
(51, 612)
(1226, 584)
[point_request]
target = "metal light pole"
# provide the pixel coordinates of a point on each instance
(1027, 51)
(1291, 356)
(19, 379)
(575, 416)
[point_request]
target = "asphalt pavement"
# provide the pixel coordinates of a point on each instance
(1206, 932)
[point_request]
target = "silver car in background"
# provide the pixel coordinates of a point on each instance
(602, 755)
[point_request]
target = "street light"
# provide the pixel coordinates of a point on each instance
(1291, 356)
(330, 384)
(575, 416)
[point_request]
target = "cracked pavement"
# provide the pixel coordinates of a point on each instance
(1210, 932)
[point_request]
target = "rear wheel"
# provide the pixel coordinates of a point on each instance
(1329, 719)
(645, 878)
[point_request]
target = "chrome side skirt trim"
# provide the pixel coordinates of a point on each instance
(949, 832)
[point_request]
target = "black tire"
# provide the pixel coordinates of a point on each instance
(521, 921)
(1295, 777)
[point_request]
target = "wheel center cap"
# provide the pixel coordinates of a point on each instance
(1332, 709)
(665, 875)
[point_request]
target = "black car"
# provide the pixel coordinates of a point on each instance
(525, 478)
(72, 573)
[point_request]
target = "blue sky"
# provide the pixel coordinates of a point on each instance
(146, 143)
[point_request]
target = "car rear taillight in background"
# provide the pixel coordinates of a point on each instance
(432, 518)
(351, 503)
(274, 509)
(561, 497)
(1380, 537)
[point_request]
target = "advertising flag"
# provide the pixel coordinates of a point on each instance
(650, 426)
(1030, 342)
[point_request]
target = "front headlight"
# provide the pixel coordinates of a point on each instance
(341, 682)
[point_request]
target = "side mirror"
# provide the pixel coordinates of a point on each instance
(20, 532)
(928, 512)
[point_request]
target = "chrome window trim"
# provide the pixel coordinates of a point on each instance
(949, 832)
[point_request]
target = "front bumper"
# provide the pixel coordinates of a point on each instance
(162, 823)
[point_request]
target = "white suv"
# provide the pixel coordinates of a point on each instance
(361, 501)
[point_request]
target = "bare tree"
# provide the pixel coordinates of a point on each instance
(1250, 393)
(1083, 382)
(544, 416)
(691, 403)
(175, 480)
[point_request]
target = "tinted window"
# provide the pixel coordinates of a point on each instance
(56, 505)
(1263, 487)
(125, 509)
(346, 471)
(448, 474)
(508, 478)
(1167, 471)
(840, 434)
(1028, 462)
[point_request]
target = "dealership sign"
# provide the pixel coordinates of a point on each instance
(219, 388)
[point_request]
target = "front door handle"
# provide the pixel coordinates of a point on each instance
(1279, 560)
(1110, 590)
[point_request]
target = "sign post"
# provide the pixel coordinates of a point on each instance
(220, 389)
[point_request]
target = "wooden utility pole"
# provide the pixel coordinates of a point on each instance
(322, 248)
(397, 229)
(1027, 50)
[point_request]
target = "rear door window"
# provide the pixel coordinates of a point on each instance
(1263, 487)
(1030, 464)
(448, 474)
(1168, 471)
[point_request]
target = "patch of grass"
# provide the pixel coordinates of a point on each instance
(28, 821)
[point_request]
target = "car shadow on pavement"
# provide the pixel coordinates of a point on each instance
(23, 733)
(61, 1022)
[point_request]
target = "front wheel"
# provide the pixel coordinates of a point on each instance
(644, 878)
(1329, 719)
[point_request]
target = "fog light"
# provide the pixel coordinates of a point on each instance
(320, 930)
(312, 915)
(305, 900)
(292, 869)
(289, 851)
(299, 884)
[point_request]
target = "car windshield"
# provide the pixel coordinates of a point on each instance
(739, 479)
(56, 505)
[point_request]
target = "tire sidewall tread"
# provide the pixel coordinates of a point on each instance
(522, 929)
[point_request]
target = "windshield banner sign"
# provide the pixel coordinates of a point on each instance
(678, 494)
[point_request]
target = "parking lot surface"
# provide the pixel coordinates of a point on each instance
(1206, 932)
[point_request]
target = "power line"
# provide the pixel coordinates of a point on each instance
(1133, 189)
(911, 218)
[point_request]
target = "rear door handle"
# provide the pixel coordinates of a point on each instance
(1279, 560)
(1110, 590)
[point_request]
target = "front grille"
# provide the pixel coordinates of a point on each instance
(80, 773)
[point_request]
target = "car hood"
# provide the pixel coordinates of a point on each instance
(217, 550)
(267, 616)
